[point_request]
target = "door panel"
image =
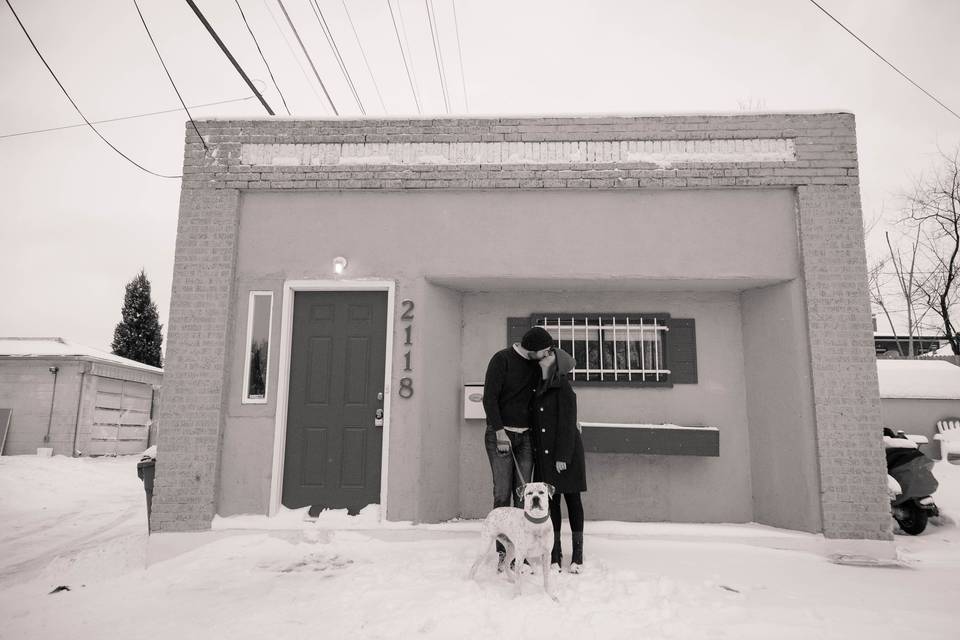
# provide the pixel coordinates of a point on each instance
(338, 355)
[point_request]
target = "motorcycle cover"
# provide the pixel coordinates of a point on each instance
(913, 471)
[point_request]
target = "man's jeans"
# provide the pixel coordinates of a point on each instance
(505, 478)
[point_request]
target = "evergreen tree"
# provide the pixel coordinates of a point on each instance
(138, 336)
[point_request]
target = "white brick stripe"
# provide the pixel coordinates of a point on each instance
(660, 152)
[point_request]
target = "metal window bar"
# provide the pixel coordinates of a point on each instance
(656, 350)
(616, 371)
(629, 342)
(651, 363)
(600, 345)
(643, 364)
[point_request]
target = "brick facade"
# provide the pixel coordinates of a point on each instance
(814, 153)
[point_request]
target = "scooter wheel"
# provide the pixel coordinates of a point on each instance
(913, 520)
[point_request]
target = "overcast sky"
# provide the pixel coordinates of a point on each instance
(78, 221)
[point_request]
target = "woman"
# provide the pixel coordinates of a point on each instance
(559, 450)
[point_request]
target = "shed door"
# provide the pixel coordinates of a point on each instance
(333, 448)
(121, 417)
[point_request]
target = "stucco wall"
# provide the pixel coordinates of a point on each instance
(623, 486)
(435, 245)
(26, 386)
(783, 453)
(441, 333)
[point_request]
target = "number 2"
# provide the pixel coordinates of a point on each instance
(408, 310)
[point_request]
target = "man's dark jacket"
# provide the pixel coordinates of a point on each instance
(509, 386)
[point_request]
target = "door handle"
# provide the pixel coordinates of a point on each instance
(378, 419)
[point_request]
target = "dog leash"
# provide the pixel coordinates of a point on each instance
(523, 482)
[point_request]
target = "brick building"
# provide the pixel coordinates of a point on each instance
(340, 284)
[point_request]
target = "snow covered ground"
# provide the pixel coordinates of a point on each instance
(81, 523)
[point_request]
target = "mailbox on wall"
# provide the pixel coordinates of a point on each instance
(473, 402)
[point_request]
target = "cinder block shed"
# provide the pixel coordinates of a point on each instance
(339, 286)
(75, 399)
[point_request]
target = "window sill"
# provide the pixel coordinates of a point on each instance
(650, 439)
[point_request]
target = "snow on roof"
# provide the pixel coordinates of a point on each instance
(932, 379)
(524, 116)
(58, 347)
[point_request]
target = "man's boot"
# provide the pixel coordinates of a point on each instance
(576, 562)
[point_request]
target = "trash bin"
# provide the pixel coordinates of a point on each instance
(145, 471)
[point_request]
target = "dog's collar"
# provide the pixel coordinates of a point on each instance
(536, 520)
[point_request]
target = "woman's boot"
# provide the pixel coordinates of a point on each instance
(556, 555)
(576, 562)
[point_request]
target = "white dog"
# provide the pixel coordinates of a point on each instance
(525, 533)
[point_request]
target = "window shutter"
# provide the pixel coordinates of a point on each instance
(682, 351)
(516, 327)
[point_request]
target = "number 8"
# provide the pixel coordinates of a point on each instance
(406, 388)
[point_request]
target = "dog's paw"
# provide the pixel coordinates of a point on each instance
(555, 568)
(575, 568)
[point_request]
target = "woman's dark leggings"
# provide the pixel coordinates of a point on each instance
(574, 511)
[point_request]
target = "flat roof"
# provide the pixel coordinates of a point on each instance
(521, 116)
(928, 379)
(60, 348)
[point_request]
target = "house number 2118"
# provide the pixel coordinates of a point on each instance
(406, 382)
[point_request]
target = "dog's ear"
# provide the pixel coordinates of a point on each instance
(550, 490)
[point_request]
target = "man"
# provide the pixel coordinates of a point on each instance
(509, 386)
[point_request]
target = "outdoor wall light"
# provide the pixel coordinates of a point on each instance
(339, 264)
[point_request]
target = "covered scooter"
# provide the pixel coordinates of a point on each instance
(913, 472)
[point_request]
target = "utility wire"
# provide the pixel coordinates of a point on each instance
(293, 54)
(463, 76)
(88, 123)
(403, 55)
(364, 54)
(890, 64)
(328, 34)
(437, 53)
(307, 54)
(169, 77)
(226, 52)
(406, 43)
(139, 115)
(263, 57)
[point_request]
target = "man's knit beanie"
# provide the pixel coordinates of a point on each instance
(536, 339)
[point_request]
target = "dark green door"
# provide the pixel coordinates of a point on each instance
(337, 361)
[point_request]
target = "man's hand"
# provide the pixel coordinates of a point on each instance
(503, 442)
(561, 466)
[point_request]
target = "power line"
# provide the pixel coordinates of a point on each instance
(328, 34)
(463, 76)
(263, 57)
(890, 64)
(437, 53)
(403, 55)
(226, 52)
(293, 54)
(139, 115)
(309, 59)
(88, 123)
(169, 77)
(364, 54)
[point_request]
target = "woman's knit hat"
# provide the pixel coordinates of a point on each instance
(536, 339)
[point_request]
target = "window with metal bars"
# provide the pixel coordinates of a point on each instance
(613, 348)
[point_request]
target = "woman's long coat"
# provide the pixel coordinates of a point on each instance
(555, 434)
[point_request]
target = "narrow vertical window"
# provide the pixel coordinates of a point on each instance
(259, 323)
